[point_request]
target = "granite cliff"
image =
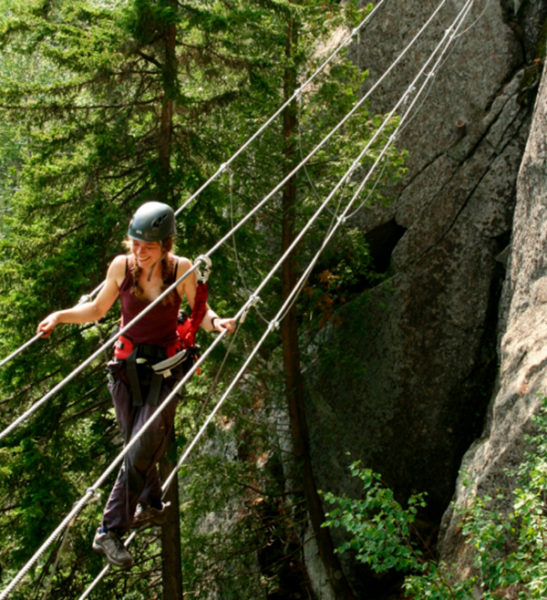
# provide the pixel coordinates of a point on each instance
(444, 359)
(522, 378)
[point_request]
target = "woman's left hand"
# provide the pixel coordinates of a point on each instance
(221, 325)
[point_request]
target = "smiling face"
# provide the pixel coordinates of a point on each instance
(146, 253)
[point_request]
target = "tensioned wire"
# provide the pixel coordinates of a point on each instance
(454, 46)
(97, 352)
(350, 172)
(451, 33)
(159, 410)
(449, 36)
(273, 324)
(243, 310)
(276, 189)
(24, 346)
(278, 318)
(423, 99)
(295, 94)
(21, 348)
(91, 491)
(340, 124)
(234, 229)
(245, 145)
(85, 298)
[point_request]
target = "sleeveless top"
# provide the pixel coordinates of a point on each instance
(159, 326)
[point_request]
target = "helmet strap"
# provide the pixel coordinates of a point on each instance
(152, 270)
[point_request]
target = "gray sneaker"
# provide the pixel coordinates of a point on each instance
(147, 516)
(109, 544)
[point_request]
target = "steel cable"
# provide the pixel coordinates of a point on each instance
(448, 37)
(234, 229)
(238, 152)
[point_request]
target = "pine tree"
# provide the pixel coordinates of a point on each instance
(113, 102)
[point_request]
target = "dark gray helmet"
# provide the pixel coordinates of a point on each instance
(152, 222)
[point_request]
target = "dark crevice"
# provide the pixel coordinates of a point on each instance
(477, 391)
(527, 25)
(382, 241)
(458, 162)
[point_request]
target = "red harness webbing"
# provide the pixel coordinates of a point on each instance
(187, 329)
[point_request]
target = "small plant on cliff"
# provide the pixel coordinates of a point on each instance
(379, 526)
(509, 550)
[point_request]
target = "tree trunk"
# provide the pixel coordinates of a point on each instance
(170, 532)
(289, 332)
(166, 120)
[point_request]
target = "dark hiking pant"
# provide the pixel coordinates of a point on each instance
(138, 479)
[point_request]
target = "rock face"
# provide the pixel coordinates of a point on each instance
(404, 383)
(522, 377)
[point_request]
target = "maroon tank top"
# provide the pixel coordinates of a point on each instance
(159, 326)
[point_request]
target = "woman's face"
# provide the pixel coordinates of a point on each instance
(146, 253)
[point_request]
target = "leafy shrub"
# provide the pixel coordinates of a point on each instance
(509, 550)
(380, 527)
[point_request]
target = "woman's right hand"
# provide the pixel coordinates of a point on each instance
(48, 324)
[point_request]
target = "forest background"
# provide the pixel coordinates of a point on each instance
(104, 105)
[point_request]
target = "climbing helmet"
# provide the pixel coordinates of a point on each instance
(152, 222)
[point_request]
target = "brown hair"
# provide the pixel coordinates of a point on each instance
(166, 268)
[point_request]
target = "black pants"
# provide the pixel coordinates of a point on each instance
(138, 479)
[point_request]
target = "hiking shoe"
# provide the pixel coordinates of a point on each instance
(109, 544)
(147, 516)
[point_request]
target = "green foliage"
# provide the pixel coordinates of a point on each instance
(380, 528)
(228, 494)
(508, 548)
(102, 103)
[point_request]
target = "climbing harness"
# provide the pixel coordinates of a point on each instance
(147, 365)
(79, 506)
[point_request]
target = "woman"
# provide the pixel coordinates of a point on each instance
(139, 278)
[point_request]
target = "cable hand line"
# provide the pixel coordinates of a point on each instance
(226, 164)
(243, 310)
(21, 348)
(340, 124)
(95, 354)
(91, 491)
(315, 150)
(295, 94)
(274, 323)
(449, 36)
(356, 162)
(40, 334)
